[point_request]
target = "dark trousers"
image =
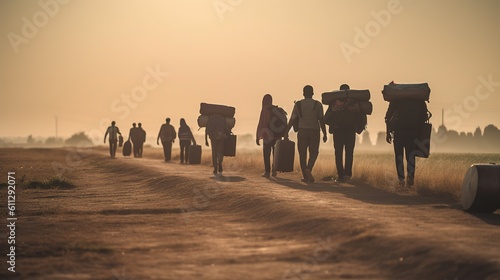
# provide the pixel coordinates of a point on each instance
(308, 139)
(344, 139)
(217, 152)
(135, 145)
(140, 147)
(112, 147)
(167, 149)
(268, 149)
(405, 141)
(185, 144)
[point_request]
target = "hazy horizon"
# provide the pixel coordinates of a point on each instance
(90, 62)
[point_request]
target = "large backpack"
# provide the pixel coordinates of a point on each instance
(217, 127)
(277, 121)
(409, 114)
(345, 114)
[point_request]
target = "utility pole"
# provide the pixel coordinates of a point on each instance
(56, 127)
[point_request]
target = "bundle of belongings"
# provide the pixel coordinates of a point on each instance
(347, 109)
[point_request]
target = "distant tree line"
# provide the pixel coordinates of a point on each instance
(78, 139)
(448, 140)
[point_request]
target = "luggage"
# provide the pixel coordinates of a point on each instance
(230, 122)
(365, 107)
(277, 121)
(424, 141)
(393, 92)
(481, 188)
(284, 155)
(127, 148)
(120, 141)
(360, 95)
(194, 154)
(212, 109)
(230, 146)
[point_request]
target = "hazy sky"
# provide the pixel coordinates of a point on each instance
(90, 62)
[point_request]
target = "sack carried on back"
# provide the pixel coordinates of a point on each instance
(394, 92)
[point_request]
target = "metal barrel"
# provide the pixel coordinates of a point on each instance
(481, 188)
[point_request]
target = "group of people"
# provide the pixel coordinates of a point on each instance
(311, 122)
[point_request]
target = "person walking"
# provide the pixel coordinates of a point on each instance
(141, 136)
(133, 137)
(403, 120)
(270, 128)
(218, 132)
(185, 139)
(342, 117)
(309, 113)
(167, 135)
(113, 132)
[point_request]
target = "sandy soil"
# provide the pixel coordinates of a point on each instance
(145, 219)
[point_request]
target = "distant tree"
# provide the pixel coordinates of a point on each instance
(53, 141)
(477, 133)
(79, 139)
(30, 140)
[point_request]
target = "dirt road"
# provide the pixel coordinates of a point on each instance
(146, 219)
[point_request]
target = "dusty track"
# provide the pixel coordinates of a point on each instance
(145, 219)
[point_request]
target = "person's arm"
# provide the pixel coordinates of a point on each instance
(192, 137)
(321, 120)
(390, 111)
(158, 138)
(129, 134)
(175, 134)
(106, 135)
(206, 138)
(291, 121)
(118, 131)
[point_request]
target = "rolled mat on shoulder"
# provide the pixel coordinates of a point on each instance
(203, 121)
(394, 92)
(215, 109)
(481, 188)
(365, 107)
(361, 95)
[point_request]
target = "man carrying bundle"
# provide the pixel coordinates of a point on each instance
(406, 114)
(344, 119)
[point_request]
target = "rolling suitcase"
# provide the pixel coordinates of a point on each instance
(284, 155)
(194, 154)
(127, 148)
(230, 146)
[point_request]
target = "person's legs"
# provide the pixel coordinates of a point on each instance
(135, 148)
(314, 140)
(169, 150)
(350, 141)
(165, 149)
(398, 153)
(338, 145)
(273, 169)
(182, 146)
(213, 144)
(141, 146)
(302, 143)
(411, 150)
(111, 148)
(220, 154)
(267, 156)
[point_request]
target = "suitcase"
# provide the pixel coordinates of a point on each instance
(284, 155)
(424, 141)
(120, 141)
(230, 146)
(194, 154)
(127, 148)
(214, 109)
(394, 92)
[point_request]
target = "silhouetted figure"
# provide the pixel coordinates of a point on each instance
(167, 135)
(113, 132)
(342, 116)
(133, 136)
(403, 121)
(310, 116)
(185, 139)
(269, 130)
(141, 137)
(218, 132)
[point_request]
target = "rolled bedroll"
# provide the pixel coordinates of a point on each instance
(481, 188)
(360, 95)
(392, 92)
(215, 109)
